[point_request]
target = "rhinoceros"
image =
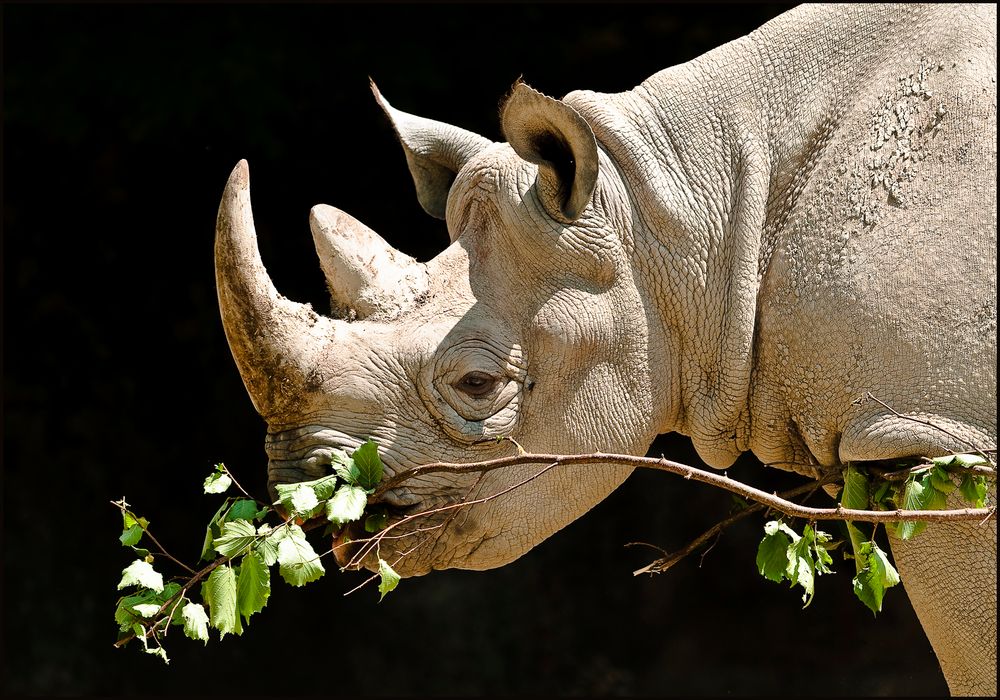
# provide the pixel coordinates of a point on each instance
(737, 249)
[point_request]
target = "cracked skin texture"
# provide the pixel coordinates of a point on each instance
(767, 234)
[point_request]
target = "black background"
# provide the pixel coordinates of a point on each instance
(121, 124)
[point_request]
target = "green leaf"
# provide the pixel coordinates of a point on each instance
(146, 609)
(801, 569)
(974, 489)
(369, 465)
(267, 547)
(302, 500)
(244, 509)
(324, 487)
(195, 622)
(298, 563)
(156, 651)
(220, 594)
(943, 461)
(213, 530)
(855, 494)
(914, 498)
(141, 573)
(940, 479)
(347, 505)
(883, 495)
(344, 468)
(125, 614)
(857, 539)
(376, 522)
(217, 483)
(772, 555)
(237, 536)
(253, 585)
(876, 575)
(820, 541)
(388, 579)
(131, 535)
(971, 461)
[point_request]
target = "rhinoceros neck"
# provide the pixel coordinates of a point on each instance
(716, 154)
(712, 151)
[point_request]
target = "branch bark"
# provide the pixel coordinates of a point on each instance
(720, 480)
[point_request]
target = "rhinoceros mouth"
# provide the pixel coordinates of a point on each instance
(306, 454)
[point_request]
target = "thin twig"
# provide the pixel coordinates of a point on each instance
(671, 558)
(123, 507)
(373, 542)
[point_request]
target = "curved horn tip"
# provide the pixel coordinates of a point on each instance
(240, 177)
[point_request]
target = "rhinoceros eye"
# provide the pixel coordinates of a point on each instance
(476, 384)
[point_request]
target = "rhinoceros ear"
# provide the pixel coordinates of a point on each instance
(555, 137)
(435, 152)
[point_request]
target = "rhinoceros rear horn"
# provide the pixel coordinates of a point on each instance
(435, 152)
(364, 273)
(554, 136)
(273, 340)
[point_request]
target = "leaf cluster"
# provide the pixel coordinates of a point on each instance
(242, 548)
(783, 554)
(928, 486)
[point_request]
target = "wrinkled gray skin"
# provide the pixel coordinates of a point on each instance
(737, 250)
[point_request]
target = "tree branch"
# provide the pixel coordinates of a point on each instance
(720, 480)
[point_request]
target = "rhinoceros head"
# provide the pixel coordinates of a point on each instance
(530, 325)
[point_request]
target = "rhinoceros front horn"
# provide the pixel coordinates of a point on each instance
(274, 341)
(366, 276)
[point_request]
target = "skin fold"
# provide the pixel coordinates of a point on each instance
(739, 249)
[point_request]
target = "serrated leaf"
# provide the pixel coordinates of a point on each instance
(302, 500)
(243, 509)
(141, 573)
(974, 489)
(236, 536)
(855, 494)
(819, 541)
(801, 569)
(344, 468)
(323, 487)
(772, 555)
(388, 579)
(876, 575)
(217, 483)
(298, 562)
(940, 479)
(219, 592)
(195, 622)
(913, 499)
(253, 586)
(213, 530)
(369, 465)
(156, 651)
(967, 460)
(131, 536)
(347, 505)
(125, 615)
(146, 609)
(267, 547)
(857, 539)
